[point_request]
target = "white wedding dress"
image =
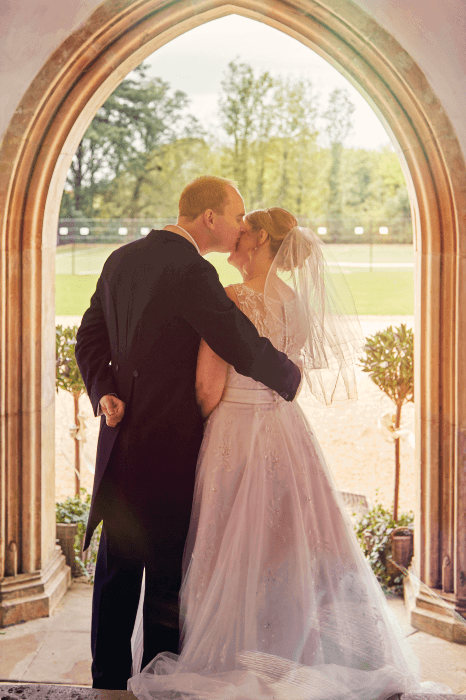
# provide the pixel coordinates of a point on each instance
(278, 601)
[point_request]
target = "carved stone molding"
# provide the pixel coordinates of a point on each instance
(34, 158)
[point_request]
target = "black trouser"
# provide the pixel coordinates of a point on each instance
(117, 589)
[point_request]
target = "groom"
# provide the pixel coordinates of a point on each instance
(137, 351)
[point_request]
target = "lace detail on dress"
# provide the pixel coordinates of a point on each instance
(288, 340)
(252, 304)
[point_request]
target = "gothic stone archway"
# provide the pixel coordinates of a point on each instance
(35, 155)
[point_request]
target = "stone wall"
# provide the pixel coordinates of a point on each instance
(433, 33)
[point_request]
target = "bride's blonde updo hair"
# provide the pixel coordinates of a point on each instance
(277, 222)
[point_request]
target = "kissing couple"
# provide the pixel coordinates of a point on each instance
(209, 479)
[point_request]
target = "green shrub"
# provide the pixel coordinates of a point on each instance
(75, 509)
(374, 531)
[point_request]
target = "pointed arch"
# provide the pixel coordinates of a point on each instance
(34, 157)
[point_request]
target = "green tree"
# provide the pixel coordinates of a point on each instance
(338, 119)
(178, 163)
(143, 147)
(373, 184)
(68, 378)
(358, 186)
(389, 363)
(155, 126)
(272, 126)
(245, 115)
(260, 148)
(85, 175)
(390, 185)
(295, 107)
(140, 117)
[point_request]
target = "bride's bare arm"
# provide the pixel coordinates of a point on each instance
(211, 373)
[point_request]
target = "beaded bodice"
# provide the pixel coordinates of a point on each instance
(287, 339)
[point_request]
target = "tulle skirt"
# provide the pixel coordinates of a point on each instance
(277, 599)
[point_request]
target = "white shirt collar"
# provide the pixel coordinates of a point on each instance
(189, 236)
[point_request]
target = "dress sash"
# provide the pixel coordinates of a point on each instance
(252, 396)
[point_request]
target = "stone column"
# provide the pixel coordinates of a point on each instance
(440, 546)
(33, 572)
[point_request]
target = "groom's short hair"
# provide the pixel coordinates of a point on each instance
(206, 192)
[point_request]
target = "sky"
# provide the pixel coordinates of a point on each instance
(196, 61)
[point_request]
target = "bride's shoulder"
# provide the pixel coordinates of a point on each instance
(232, 293)
(242, 293)
(245, 288)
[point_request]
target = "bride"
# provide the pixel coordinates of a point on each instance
(277, 599)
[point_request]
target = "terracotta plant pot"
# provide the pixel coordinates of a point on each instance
(402, 548)
(66, 534)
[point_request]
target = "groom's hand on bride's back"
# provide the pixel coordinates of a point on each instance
(113, 409)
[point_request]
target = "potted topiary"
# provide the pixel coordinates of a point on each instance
(68, 377)
(389, 362)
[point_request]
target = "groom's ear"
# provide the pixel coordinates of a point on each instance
(209, 218)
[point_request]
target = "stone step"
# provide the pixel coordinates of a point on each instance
(34, 595)
(439, 625)
(434, 603)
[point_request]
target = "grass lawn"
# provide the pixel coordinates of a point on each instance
(380, 292)
(396, 253)
(85, 258)
(73, 293)
(383, 292)
(377, 293)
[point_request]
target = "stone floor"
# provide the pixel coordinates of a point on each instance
(56, 650)
(52, 649)
(23, 691)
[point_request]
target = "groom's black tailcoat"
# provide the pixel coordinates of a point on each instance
(139, 340)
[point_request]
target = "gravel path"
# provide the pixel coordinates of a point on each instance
(360, 457)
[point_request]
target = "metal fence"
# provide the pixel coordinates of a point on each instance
(361, 229)
(84, 244)
(91, 231)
